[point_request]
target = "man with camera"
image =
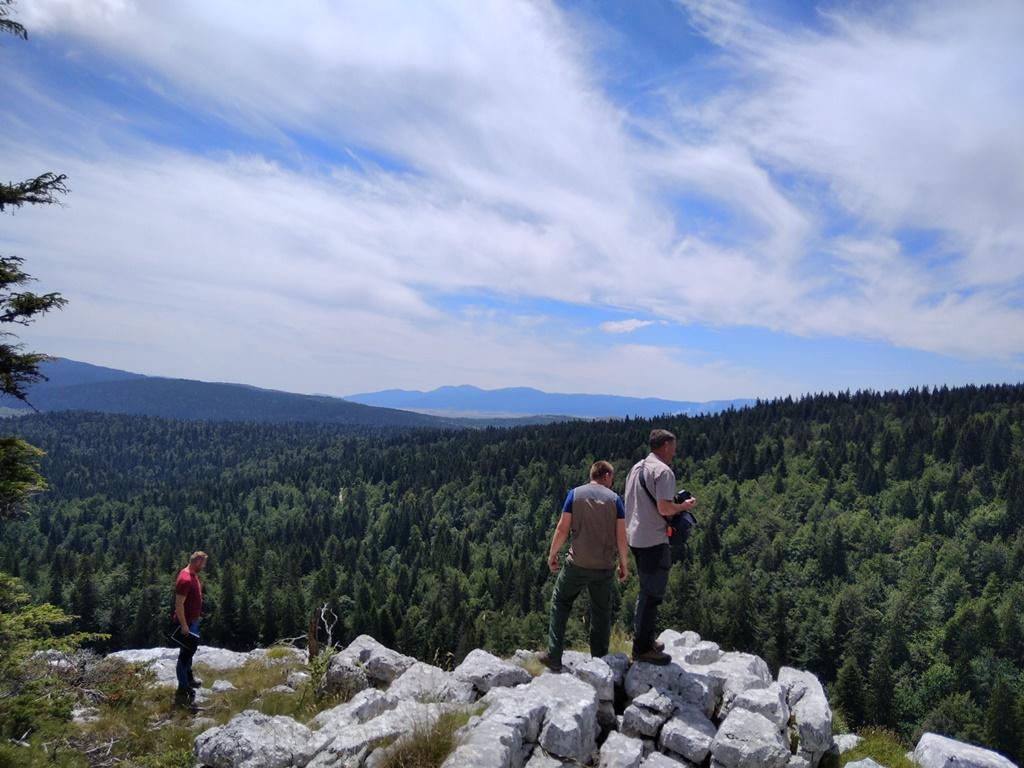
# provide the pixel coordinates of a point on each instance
(651, 501)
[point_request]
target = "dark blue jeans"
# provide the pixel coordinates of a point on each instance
(183, 669)
(653, 565)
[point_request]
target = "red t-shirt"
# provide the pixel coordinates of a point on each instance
(188, 584)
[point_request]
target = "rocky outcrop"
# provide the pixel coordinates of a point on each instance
(706, 708)
(252, 740)
(484, 671)
(934, 751)
(161, 661)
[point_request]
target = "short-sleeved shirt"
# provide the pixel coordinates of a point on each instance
(595, 512)
(188, 584)
(644, 526)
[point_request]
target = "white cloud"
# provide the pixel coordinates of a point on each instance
(625, 326)
(492, 162)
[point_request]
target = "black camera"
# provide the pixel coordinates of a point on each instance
(681, 524)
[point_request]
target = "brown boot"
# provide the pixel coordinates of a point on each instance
(653, 656)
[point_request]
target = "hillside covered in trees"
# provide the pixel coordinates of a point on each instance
(876, 539)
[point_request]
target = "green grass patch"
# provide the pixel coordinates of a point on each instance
(427, 747)
(882, 746)
(280, 652)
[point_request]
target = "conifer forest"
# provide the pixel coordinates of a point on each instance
(876, 539)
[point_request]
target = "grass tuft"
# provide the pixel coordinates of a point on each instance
(427, 747)
(881, 745)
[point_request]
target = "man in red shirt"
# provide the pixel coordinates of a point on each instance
(188, 607)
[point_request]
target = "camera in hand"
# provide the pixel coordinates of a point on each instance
(681, 524)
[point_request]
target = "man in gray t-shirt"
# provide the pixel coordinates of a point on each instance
(650, 487)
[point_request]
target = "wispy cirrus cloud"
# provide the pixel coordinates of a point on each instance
(396, 155)
(625, 326)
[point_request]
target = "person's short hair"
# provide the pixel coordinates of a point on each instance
(198, 555)
(659, 437)
(601, 468)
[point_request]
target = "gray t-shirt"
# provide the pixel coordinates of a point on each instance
(644, 526)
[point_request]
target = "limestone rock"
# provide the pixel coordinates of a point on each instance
(809, 708)
(606, 717)
(647, 713)
(487, 742)
(701, 691)
(364, 706)
(425, 682)
(382, 665)
(620, 751)
(595, 672)
(748, 740)
(770, 702)
(798, 761)
(688, 733)
(541, 759)
(846, 741)
(222, 686)
(934, 751)
(345, 676)
(163, 660)
(619, 664)
(658, 760)
(331, 746)
(570, 726)
(738, 672)
(867, 762)
(296, 679)
(252, 740)
(485, 671)
(673, 639)
(704, 652)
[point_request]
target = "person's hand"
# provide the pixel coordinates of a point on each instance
(689, 504)
(553, 562)
(623, 572)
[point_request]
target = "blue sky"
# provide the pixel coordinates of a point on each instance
(691, 200)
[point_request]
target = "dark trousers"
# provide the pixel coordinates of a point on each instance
(183, 669)
(570, 582)
(653, 565)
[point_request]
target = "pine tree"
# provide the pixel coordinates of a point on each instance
(879, 700)
(1001, 728)
(19, 476)
(848, 691)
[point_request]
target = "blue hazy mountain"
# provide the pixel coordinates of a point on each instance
(77, 386)
(468, 401)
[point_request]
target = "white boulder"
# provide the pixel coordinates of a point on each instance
(252, 740)
(934, 751)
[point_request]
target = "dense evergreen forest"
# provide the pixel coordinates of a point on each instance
(876, 539)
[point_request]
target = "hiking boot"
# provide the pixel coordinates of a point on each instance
(659, 646)
(195, 682)
(547, 661)
(653, 656)
(185, 698)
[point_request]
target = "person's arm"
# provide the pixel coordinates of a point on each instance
(179, 611)
(620, 542)
(668, 508)
(559, 539)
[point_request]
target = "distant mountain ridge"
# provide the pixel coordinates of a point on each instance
(467, 400)
(77, 386)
